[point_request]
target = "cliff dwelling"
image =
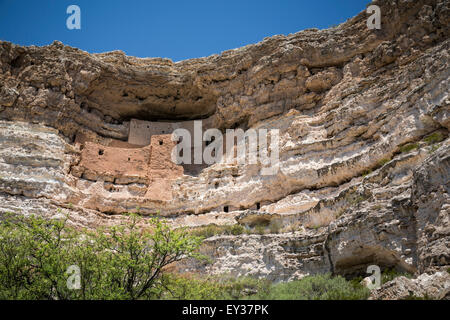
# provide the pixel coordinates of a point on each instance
(145, 158)
(364, 147)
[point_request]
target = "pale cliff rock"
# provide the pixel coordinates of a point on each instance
(364, 149)
(426, 286)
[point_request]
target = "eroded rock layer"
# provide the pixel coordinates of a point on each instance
(363, 117)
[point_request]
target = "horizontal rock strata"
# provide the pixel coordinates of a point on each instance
(363, 120)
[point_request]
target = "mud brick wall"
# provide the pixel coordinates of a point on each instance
(162, 171)
(100, 161)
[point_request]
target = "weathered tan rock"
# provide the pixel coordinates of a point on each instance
(348, 101)
(426, 286)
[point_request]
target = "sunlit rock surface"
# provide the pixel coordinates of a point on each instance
(364, 150)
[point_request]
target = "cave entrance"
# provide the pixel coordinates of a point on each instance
(356, 264)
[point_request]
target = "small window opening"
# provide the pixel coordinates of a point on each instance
(101, 152)
(258, 205)
(160, 142)
(225, 209)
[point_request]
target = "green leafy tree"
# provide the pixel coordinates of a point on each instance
(120, 262)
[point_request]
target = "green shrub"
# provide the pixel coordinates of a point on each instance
(382, 162)
(188, 287)
(275, 226)
(121, 262)
(434, 138)
(408, 147)
(245, 288)
(318, 287)
(237, 229)
(207, 232)
(390, 274)
(215, 230)
(260, 229)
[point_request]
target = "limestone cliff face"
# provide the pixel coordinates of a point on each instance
(364, 150)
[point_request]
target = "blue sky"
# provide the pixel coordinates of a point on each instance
(167, 28)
